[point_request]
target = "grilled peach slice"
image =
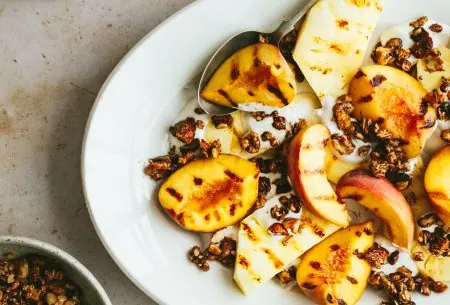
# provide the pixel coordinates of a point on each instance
(394, 99)
(437, 183)
(383, 200)
(331, 272)
(306, 169)
(210, 194)
(254, 74)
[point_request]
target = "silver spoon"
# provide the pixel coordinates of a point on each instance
(238, 42)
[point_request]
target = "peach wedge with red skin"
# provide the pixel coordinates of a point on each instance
(207, 195)
(383, 200)
(437, 183)
(331, 272)
(306, 169)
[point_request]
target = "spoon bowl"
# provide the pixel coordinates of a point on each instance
(241, 41)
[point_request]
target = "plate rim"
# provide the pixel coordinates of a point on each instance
(156, 295)
(149, 292)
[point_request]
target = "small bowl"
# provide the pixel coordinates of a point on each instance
(93, 292)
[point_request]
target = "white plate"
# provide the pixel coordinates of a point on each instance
(128, 124)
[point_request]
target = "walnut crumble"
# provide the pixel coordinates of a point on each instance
(36, 280)
(250, 142)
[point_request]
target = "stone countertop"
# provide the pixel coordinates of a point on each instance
(54, 57)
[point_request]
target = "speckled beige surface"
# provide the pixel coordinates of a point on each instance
(54, 56)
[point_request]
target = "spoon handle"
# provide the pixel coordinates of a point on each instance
(288, 25)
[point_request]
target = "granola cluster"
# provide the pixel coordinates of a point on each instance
(278, 164)
(397, 285)
(342, 115)
(287, 204)
(223, 252)
(251, 142)
(36, 280)
(393, 53)
(160, 167)
(438, 241)
(388, 160)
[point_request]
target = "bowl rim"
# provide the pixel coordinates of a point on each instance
(55, 252)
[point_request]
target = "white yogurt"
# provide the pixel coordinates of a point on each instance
(228, 232)
(403, 31)
(325, 116)
(435, 142)
(298, 109)
(272, 177)
(404, 258)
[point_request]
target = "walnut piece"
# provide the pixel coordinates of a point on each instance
(419, 22)
(222, 121)
(279, 122)
(197, 257)
(264, 185)
(277, 229)
(435, 27)
(184, 130)
(250, 142)
(342, 144)
(267, 136)
(341, 113)
(376, 256)
(210, 150)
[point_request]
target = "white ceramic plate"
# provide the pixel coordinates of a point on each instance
(129, 123)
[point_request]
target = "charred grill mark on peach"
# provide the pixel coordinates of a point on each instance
(275, 90)
(318, 145)
(207, 217)
(256, 62)
(368, 231)
(233, 209)
(335, 247)
(181, 219)
(198, 181)
(175, 194)
(171, 212)
(234, 75)
(233, 176)
(217, 215)
(366, 99)
(251, 93)
(308, 285)
(314, 172)
(316, 265)
(326, 197)
(227, 97)
(377, 80)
